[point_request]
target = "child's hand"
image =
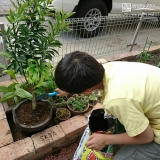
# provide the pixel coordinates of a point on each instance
(60, 92)
(96, 141)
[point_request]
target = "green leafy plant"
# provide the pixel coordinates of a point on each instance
(158, 65)
(63, 113)
(92, 97)
(144, 55)
(59, 101)
(79, 102)
(30, 40)
(14, 91)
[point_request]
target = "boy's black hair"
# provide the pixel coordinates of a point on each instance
(78, 71)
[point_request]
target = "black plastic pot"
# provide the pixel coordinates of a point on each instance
(34, 128)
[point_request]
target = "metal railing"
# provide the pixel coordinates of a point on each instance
(109, 35)
(2, 48)
(120, 33)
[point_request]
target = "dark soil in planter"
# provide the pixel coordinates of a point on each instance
(16, 132)
(27, 116)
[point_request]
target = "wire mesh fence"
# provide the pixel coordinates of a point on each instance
(110, 35)
(2, 48)
(113, 34)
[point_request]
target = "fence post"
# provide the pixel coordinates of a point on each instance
(137, 31)
(2, 28)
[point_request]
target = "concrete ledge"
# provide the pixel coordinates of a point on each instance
(5, 136)
(53, 138)
(20, 150)
(74, 125)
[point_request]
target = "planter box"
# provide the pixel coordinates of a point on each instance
(53, 138)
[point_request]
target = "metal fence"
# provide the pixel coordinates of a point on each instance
(2, 48)
(108, 35)
(115, 34)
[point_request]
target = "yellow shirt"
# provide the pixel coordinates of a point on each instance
(132, 94)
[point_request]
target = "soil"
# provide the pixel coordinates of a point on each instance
(63, 114)
(27, 116)
(31, 116)
(17, 133)
(155, 60)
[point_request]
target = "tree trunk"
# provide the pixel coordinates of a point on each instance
(33, 100)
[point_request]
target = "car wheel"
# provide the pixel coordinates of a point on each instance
(91, 11)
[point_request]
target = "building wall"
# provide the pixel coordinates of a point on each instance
(5, 5)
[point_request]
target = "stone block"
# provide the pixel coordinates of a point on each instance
(20, 150)
(47, 139)
(74, 125)
(2, 112)
(5, 136)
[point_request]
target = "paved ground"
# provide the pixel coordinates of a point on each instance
(66, 153)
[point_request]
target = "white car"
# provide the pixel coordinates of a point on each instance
(95, 8)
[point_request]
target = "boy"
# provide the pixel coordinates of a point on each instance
(131, 93)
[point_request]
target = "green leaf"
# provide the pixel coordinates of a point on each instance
(2, 66)
(69, 15)
(40, 82)
(7, 96)
(11, 13)
(23, 93)
(16, 66)
(21, 59)
(9, 19)
(22, 40)
(5, 54)
(5, 89)
(40, 30)
(14, 5)
(16, 100)
(12, 74)
(55, 44)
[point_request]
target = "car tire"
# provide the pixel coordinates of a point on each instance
(90, 11)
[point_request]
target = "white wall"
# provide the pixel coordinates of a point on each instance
(5, 5)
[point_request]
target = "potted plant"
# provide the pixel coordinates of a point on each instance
(62, 114)
(78, 104)
(92, 99)
(58, 102)
(30, 40)
(98, 93)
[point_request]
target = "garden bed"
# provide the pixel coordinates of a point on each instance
(155, 60)
(57, 103)
(64, 134)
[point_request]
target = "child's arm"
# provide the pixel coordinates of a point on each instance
(97, 106)
(98, 141)
(60, 92)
